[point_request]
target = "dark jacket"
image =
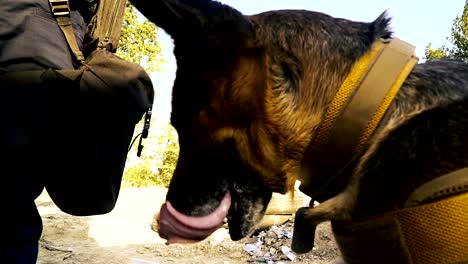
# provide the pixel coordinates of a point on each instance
(30, 38)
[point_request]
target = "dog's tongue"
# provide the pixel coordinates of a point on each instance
(176, 227)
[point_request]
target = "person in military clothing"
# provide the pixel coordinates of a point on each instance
(31, 39)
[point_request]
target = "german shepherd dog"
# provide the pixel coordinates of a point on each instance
(249, 94)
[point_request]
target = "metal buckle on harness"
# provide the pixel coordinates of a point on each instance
(60, 7)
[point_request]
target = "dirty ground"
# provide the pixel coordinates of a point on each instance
(124, 236)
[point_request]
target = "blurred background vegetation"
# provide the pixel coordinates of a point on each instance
(157, 161)
(139, 44)
(457, 46)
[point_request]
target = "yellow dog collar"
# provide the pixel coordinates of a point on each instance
(356, 110)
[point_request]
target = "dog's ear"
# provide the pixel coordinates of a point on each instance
(380, 28)
(211, 20)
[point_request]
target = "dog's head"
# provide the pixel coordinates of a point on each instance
(242, 105)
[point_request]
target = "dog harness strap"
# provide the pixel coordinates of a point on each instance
(376, 240)
(450, 184)
(356, 111)
(437, 232)
(434, 230)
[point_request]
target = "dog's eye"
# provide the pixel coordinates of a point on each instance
(208, 117)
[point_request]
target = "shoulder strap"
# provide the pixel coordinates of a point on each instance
(61, 11)
(108, 24)
(106, 29)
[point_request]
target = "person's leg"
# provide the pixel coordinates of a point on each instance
(20, 221)
(23, 226)
(31, 40)
(21, 164)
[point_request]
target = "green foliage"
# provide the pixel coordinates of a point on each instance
(460, 35)
(158, 160)
(438, 53)
(459, 40)
(171, 155)
(138, 41)
(139, 44)
(141, 175)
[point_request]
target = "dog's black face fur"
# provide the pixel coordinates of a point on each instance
(250, 92)
(209, 162)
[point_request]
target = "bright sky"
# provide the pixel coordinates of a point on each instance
(416, 21)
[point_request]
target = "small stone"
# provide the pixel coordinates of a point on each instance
(262, 234)
(259, 242)
(291, 256)
(269, 241)
(250, 247)
(259, 259)
(278, 244)
(287, 252)
(252, 250)
(273, 250)
(277, 231)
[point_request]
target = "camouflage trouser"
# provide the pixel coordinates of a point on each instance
(30, 39)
